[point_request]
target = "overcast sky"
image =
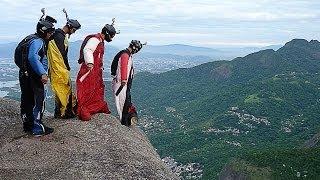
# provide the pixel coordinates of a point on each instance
(210, 23)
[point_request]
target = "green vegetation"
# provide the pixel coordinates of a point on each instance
(252, 99)
(285, 163)
(268, 102)
(252, 171)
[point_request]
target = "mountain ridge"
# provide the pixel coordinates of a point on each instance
(222, 109)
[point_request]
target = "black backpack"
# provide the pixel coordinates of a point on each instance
(114, 64)
(21, 52)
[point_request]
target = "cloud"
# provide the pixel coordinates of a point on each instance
(172, 21)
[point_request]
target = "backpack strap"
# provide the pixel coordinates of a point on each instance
(115, 61)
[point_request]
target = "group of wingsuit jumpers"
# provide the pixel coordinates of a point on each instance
(46, 57)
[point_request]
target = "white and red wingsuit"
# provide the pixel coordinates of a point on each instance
(90, 86)
(122, 71)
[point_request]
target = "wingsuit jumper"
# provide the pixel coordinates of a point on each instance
(59, 70)
(33, 79)
(90, 85)
(122, 72)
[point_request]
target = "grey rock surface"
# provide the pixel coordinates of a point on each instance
(99, 149)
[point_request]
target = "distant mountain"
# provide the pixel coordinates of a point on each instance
(144, 61)
(217, 111)
(154, 60)
(7, 49)
(242, 51)
(214, 53)
(184, 50)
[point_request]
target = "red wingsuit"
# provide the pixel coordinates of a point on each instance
(90, 86)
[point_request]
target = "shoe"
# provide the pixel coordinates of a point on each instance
(57, 115)
(40, 130)
(68, 116)
(27, 127)
(134, 121)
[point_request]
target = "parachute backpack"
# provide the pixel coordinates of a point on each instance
(21, 52)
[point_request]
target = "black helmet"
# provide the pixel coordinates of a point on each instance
(109, 32)
(45, 26)
(135, 45)
(72, 23)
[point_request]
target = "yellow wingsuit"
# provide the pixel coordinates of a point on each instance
(59, 74)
